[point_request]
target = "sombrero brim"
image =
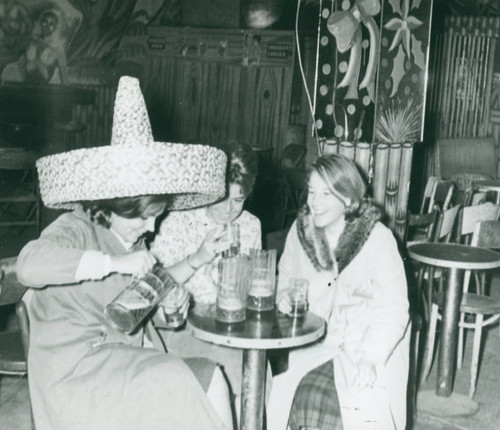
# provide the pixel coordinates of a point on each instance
(193, 174)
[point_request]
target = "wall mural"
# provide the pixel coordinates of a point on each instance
(347, 65)
(61, 41)
(357, 39)
(405, 38)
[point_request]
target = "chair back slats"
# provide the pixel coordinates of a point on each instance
(438, 192)
(442, 194)
(421, 227)
(471, 215)
(11, 290)
(430, 189)
(486, 234)
(24, 325)
(446, 224)
(292, 155)
(478, 198)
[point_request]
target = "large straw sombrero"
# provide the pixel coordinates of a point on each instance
(134, 164)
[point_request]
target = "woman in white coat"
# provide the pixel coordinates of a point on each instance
(358, 284)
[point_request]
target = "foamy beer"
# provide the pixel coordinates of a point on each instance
(129, 308)
(261, 294)
(232, 288)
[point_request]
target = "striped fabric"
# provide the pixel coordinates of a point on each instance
(316, 405)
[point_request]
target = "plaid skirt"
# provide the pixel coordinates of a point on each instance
(316, 404)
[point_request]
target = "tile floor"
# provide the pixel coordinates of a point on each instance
(14, 395)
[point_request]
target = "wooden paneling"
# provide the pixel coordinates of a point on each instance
(212, 86)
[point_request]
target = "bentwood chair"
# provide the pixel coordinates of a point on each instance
(13, 342)
(427, 276)
(421, 227)
(438, 192)
(19, 195)
(477, 310)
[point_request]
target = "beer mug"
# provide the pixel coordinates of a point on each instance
(262, 290)
(232, 289)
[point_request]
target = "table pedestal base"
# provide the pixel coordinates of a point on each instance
(456, 405)
(253, 389)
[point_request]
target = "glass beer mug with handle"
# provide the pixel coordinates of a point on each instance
(232, 286)
(129, 308)
(261, 294)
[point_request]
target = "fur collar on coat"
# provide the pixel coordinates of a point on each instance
(356, 232)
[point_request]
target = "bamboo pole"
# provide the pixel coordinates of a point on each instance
(363, 156)
(473, 105)
(381, 154)
(403, 190)
(453, 86)
(484, 41)
(487, 85)
(483, 88)
(392, 183)
(347, 149)
(330, 146)
(471, 86)
(461, 85)
(450, 80)
(439, 87)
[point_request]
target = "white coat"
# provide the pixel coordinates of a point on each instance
(366, 309)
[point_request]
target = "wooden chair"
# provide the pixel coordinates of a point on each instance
(437, 197)
(13, 342)
(421, 227)
(430, 188)
(437, 192)
(470, 215)
(292, 155)
(443, 194)
(428, 276)
(19, 196)
(464, 184)
(476, 306)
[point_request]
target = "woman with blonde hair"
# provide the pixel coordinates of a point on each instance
(356, 377)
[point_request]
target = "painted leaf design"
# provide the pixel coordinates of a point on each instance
(398, 70)
(413, 22)
(396, 7)
(416, 4)
(418, 54)
(394, 24)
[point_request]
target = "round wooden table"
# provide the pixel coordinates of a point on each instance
(259, 332)
(455, 258)
(490, 185)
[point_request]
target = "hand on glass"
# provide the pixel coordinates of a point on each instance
(283, 302)
(137, 263)
(365, 375)
(177, 298)
(214, 243)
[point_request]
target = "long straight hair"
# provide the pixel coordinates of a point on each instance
(342, 178)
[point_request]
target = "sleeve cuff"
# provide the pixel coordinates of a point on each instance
(93, 265)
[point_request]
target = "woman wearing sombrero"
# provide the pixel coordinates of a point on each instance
(84, 373)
